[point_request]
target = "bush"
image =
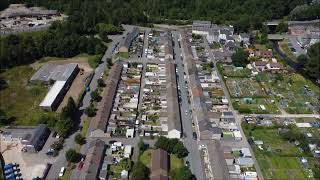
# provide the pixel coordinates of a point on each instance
(101, 83)
(90, 111)
(95, 96)
(140, 171)
(79, 139)
(172, 146)
(57, 145)
(72, 155)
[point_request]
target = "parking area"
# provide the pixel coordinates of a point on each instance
(31, 165)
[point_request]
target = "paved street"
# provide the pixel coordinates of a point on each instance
(190, 143)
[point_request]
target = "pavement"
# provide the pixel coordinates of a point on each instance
(191, 144)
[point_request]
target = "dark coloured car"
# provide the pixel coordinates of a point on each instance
(194, 135)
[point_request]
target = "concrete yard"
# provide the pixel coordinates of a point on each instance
(30, 164)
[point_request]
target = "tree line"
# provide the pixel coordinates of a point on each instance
(59, 41)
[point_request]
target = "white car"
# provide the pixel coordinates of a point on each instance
(62, 170)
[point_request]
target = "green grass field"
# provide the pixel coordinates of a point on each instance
(145, 157)
(279, 159)
(20, 99)
(175, 162)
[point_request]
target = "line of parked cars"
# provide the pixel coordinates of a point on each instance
(12, 171)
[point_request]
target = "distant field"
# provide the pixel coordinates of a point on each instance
(279, 159)
(19, 99)
(291, 94)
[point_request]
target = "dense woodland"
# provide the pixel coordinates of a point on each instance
(85, 17)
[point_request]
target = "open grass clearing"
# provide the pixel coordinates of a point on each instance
(175, 162)
(252, 105)
(232, 71)
(145, 157)
(21, 99)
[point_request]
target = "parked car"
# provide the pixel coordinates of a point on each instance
(62, 170)
(80, 165)
(194, 135)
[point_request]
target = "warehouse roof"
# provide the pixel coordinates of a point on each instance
(54, 72)
(52, 94)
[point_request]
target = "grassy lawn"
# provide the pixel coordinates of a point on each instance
(279, 159)
(20, 99)
(175, 162)
(231, 71)
(228, 135)
(116, 170)
(145, 157)
(121, 56)
(253, 106)
(85, 126)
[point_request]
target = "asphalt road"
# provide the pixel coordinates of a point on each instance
(190, 143)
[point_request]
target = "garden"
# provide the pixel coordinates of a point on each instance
(277, 157)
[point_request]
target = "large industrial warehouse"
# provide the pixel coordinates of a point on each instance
(61, 76)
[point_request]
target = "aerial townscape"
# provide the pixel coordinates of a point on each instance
(160, 90)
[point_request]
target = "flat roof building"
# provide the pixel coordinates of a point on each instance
(54, 96)
(34, 141)
(61, 76)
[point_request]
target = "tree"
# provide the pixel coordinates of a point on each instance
(180, 150)
(57, 145)
(282, 27)
(140, 171)
(240, 58)
(142, 147)
(174, 146)
(95, 96)
(79, 139)
(302, 60)
(183, 173)
(90, 111)
(69, 110)
(101, 83)
(72, 155)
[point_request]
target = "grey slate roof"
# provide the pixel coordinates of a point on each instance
(93, 161)
(100, 121)
(173, 109)
(130, 37)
